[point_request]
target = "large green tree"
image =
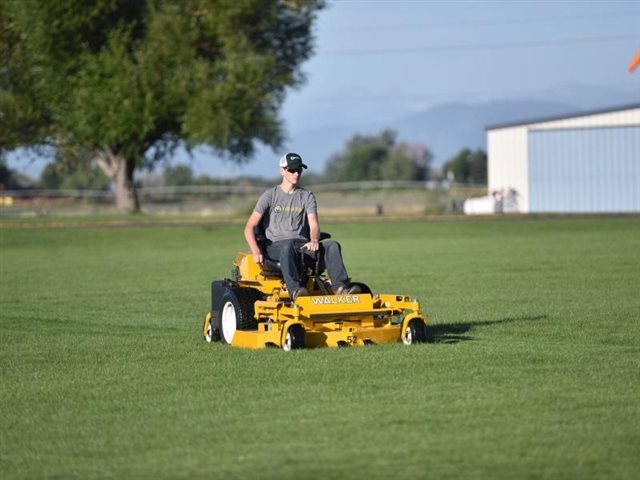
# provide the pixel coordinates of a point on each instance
(129, 81)
(379, 157)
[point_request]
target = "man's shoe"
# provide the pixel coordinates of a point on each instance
(301, 292)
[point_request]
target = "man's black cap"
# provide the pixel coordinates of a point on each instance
(291, 161)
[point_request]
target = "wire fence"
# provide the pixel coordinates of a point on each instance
(229, 201)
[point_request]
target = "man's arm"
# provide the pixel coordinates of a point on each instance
(314, 233)
(250, 236)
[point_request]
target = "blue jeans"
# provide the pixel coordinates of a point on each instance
(287, 252)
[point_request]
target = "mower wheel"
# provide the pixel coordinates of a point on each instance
(236, 312)
(416, 332)
(294, 339)
(364, 288)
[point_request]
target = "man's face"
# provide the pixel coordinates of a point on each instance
(292, 176)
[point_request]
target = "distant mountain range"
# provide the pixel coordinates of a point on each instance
(445, 129)
(449, 127)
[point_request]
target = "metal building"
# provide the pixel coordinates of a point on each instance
(584, 163)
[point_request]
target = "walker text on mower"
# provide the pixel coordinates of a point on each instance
(254, 310)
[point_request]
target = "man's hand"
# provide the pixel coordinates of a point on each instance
(250, 236)
(312, 246)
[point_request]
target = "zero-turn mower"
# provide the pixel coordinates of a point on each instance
(253, 309)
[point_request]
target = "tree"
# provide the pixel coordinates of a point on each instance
(10, 179)
(178, 176)
(379, 157)
(467, 167)
(73, 176)
(130, 81)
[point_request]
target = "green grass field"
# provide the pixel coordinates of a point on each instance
(533, 370)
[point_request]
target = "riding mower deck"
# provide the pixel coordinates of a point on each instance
(253, 309)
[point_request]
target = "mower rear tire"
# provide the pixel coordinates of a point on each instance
(294, 339)
(364, 288)
(236, 312)
(416, 332)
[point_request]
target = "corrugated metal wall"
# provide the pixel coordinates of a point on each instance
(584, 170)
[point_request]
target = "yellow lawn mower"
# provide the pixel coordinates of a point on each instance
(253, 309)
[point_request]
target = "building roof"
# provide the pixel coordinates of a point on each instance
(563, 117)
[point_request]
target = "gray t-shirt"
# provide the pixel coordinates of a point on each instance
(285, 214)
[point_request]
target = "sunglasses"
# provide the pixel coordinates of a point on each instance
(294, 170)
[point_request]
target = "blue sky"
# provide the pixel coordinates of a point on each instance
(386, 59)
(418, 53)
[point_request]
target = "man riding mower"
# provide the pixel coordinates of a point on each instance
(278, 294)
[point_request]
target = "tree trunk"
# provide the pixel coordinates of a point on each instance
(120, 171)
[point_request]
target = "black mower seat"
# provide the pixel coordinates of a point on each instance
(270, 266)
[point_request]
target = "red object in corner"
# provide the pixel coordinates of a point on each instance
(635, 62)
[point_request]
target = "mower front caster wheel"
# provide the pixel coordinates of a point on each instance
(294, 339)
(416, 332)
(207, 330)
